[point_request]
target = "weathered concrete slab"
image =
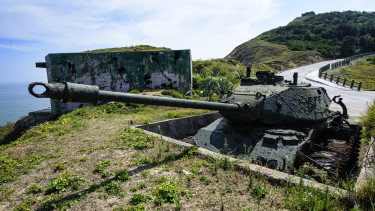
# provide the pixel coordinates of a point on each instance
(367, 167)
(182, 127)
(34, 118)
(120, 71)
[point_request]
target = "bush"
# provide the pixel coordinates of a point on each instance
(368, 122)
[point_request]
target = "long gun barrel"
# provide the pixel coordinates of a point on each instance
(71, 92)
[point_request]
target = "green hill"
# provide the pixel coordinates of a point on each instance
(310, 38)
(130, 48)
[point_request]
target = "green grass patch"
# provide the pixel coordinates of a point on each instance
(139, 186)
(103, 164)
(122, 175)
(365, 195)
(115, 189)
(168, 192)
(65, 181)
(205, 180)
(139, 198)
(34, 189)
(26, 205)
(5, 193)
(305, 198)
(362, 71)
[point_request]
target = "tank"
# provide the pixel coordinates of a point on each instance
(266, 119)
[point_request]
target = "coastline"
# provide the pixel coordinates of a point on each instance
(16, 102)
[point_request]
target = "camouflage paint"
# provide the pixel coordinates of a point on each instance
(120, 71)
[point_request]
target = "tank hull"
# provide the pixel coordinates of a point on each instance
(274, 147)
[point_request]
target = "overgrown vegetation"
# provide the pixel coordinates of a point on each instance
(332, 34)
(213, 78)
(306, 38)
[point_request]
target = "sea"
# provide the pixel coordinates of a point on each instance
(16, 101)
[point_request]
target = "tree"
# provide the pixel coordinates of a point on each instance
(308, 13)
(348, 46)
(366, 42)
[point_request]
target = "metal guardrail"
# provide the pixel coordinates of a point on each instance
(341, 80)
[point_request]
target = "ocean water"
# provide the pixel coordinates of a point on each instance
(15, 102)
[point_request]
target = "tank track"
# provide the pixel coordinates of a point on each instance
(336, 150)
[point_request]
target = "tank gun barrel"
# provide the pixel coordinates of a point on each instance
(71, 92)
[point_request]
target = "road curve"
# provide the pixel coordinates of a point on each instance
(355, 101)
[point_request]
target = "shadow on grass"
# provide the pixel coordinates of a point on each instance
(69, 200)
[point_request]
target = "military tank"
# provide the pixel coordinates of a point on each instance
(266, 119)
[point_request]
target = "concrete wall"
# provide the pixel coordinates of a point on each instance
(120, 71)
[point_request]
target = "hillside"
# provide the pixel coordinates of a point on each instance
(263, 55)
(310, 38)
(130, 48)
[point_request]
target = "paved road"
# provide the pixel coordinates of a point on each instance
(356, 101)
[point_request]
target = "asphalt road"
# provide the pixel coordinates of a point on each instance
(355, 101)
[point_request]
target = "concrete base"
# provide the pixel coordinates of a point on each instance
(368, 164)
(181, 128)
(34, 118)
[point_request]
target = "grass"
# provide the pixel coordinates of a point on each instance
(263, 55)
(65, 181)
(125, 169)
(362, 70)
(130, 48)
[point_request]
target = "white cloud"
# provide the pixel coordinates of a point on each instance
(210, 28)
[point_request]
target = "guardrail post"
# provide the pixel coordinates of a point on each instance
(344, 82)
(320, 73)
(325, 76)
(338, 79)
(359, 86)
(351, 85)
(331, 78)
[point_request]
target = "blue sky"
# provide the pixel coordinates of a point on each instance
(30, 29)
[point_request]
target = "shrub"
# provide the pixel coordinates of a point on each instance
(168, 192)
(63, 182)
(138, 199)
(368, 122)
(114, 188)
